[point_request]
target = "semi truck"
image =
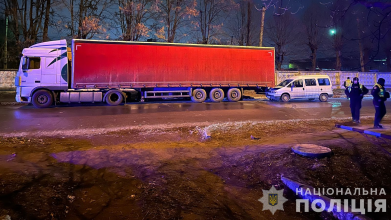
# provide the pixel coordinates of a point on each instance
(95, 71)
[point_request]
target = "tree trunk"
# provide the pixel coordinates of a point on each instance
(80, 28)
(46, 24)
(72, 20)
(313, 54)
(262, 25)
(28, 35)
(360, 47)
(279, 58)
(388, 61)
(248, 43)
(338, 60)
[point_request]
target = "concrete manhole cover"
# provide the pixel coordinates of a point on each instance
(311, 150)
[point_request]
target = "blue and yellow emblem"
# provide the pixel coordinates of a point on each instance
(273, 199)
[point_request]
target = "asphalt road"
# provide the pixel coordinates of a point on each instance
(65, 117)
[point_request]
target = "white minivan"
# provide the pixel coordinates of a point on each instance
(302, 87)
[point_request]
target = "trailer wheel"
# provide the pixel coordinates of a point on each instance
(234, 95)
(114, 97)
(323, 97)
(42, 99)
(216, 95)
(199, 95)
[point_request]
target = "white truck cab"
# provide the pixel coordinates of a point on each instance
(44, 67)
(302, 87)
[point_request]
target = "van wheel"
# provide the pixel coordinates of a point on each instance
(42, 99)
(114, 97)
(285, 97)
(323, 97)
(234, 95)
(216, 95)
(199, 95)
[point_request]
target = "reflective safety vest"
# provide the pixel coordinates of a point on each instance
(348, 83)
(381, 92)
(361, 86)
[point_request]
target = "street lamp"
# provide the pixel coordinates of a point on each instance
(333, 31)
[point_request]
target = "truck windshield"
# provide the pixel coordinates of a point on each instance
(285, 82)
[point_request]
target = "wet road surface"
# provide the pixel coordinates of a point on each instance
(65, 117)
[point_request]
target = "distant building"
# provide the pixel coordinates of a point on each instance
(379, 65)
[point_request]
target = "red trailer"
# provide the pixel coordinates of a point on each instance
(120, 64)
(112, 71)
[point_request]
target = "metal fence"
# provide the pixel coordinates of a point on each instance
(7, 79)
(337, 78)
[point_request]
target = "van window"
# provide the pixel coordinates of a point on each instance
(298, 83)
(32, 63)
(323, 81)
(310, 82)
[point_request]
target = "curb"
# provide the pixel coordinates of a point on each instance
(373, 133)
(344, 96)
(12, 103)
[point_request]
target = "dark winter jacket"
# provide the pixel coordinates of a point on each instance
(356, 92)
(379, 94)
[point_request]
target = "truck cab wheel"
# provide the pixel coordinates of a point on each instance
(199, 95)
(285, 97)
(323, 97)
(114, 97)
(42, 99)
(216, 95)
(234, 94)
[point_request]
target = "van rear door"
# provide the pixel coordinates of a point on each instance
(324, 85)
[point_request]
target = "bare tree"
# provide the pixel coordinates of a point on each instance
(46, 22)
(338, 12)
(171, 16)
(278, 9)
(133, 15)
(282, 32)
(210, 20)
(84, 18)
(312, 19)
(379, 15)
(26, 18)
(241, 23)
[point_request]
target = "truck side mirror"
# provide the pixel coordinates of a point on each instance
(24, 63)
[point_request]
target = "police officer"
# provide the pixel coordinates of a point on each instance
(356, 94)
(347, 84)
(380, 95)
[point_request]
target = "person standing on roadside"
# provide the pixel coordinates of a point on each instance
(356, 94)
(347, 84)
(380, 95)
